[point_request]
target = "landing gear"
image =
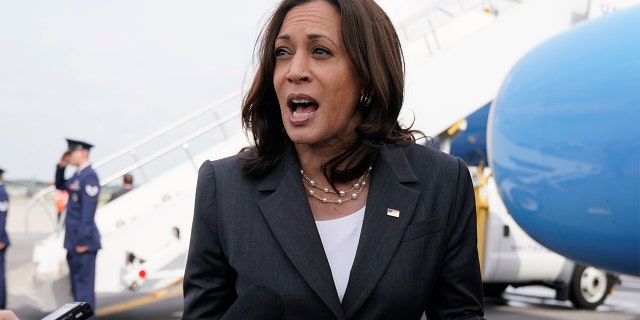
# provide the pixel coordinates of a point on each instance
(589, 287)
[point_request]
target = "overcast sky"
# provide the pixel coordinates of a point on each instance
(112, 72)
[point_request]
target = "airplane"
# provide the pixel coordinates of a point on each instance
(563, 141)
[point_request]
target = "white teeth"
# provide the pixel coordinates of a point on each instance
(301, 115)
(301, 101)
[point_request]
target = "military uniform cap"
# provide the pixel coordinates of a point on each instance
(78, 145)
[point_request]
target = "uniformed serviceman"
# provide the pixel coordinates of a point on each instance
(4, 239)
(82, 239)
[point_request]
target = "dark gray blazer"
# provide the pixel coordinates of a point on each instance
(248, 232)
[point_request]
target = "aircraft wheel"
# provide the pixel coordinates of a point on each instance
(589, 287)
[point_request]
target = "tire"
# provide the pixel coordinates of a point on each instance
(589, 287)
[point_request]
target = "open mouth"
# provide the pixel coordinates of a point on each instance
(302, 107)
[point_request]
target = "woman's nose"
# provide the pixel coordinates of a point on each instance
(298, 69)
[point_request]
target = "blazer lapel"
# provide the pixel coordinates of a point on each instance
(289, 216)
(382, 231)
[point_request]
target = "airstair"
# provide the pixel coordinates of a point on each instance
(457, 53)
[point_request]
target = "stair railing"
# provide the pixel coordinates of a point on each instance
(39, 197)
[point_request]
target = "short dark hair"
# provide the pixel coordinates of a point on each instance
(127, 178)
(375, 51)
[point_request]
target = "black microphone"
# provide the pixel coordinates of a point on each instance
(258, 302)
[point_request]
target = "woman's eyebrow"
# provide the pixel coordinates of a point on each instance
(316, 36)
(309, 36)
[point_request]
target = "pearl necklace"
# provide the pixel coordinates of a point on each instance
(357, 187)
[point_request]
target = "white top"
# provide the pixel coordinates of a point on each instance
(340, 241)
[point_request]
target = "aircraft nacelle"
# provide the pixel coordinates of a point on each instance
(563, 140)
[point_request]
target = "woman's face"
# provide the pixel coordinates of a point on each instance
(315, 81)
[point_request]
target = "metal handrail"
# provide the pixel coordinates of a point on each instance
(165, 130)
(437, 6)
(39, 196)
(170, 148)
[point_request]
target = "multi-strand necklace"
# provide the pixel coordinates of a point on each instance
(343, 196)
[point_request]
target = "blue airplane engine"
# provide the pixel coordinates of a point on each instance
(564, 142)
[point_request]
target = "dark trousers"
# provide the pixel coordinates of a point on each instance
(82, 271)
(3, 283)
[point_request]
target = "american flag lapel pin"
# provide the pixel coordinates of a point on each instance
(393, 213)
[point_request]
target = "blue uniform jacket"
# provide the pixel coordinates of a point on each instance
(4, 209)
(84, 191)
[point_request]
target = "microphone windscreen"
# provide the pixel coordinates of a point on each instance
(258, 302)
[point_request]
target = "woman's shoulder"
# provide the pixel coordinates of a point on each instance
(420, 153)
(225, 174)
(423, 162)
(221, 164)
(228, 166)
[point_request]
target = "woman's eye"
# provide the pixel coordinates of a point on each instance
(321, 51)
(280, 52)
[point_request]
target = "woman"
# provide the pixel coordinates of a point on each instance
(334, 208)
